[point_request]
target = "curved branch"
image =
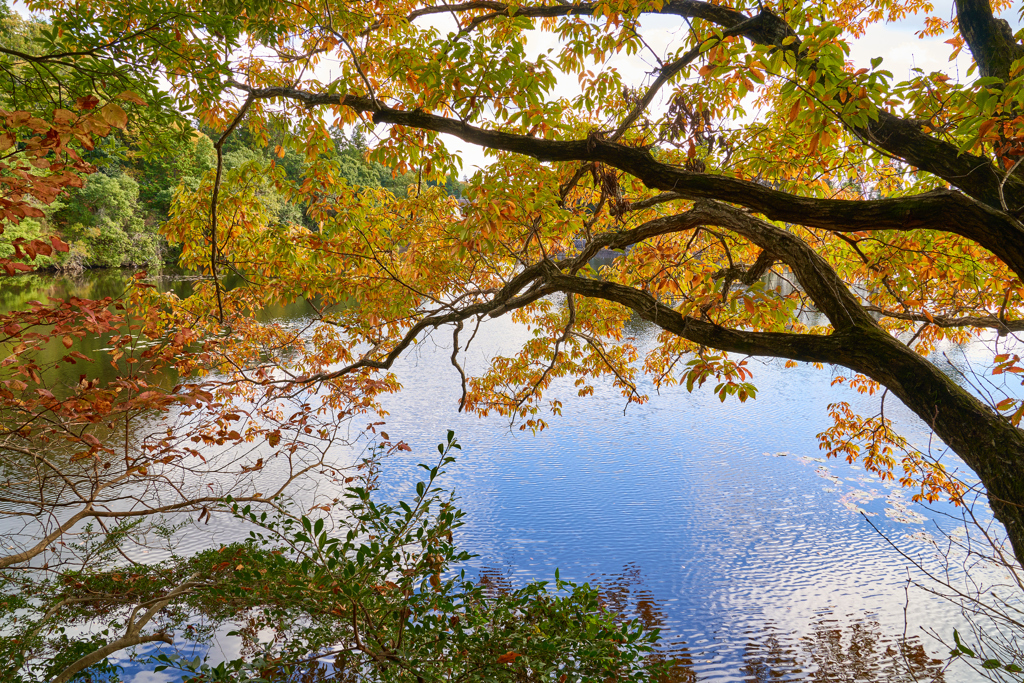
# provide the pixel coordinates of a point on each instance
(802, 347)
(990, 40)
(943, 210)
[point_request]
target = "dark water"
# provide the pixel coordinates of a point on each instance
(715, 522)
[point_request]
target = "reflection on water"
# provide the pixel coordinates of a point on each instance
(833, 648)
(708, 520)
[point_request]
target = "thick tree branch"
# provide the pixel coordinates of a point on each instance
(109, 649)
(803, 347)
(990, 39)
(974, 175)
(767, 27)
(132, 635)
(944, 210)
(748, 275)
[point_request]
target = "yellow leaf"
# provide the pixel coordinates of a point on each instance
(114, 115)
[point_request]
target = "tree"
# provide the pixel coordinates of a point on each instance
(889, 208)
(104, 220)
(165, 426)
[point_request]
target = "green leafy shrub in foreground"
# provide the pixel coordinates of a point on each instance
(365, 591)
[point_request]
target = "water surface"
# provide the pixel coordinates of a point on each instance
(716, 522)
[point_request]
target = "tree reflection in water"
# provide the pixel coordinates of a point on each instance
(831, 649)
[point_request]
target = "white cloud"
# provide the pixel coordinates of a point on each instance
(152, 677)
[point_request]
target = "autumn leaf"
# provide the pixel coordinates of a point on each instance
(63, 117)
(114, 115)
(508, 657)
(134, 98)
(88, 102)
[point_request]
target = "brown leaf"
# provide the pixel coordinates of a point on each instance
(63, 117)
(87, 102)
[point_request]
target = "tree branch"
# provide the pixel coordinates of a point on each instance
(990, 39)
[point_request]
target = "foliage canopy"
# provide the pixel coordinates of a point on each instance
(768, 197)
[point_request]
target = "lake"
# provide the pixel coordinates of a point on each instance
(718, 523)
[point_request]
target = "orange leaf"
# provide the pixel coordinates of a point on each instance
(508, 657)
(814, 143)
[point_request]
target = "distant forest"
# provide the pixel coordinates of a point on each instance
(114, 220)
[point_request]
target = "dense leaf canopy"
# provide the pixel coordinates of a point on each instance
(770, 198)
